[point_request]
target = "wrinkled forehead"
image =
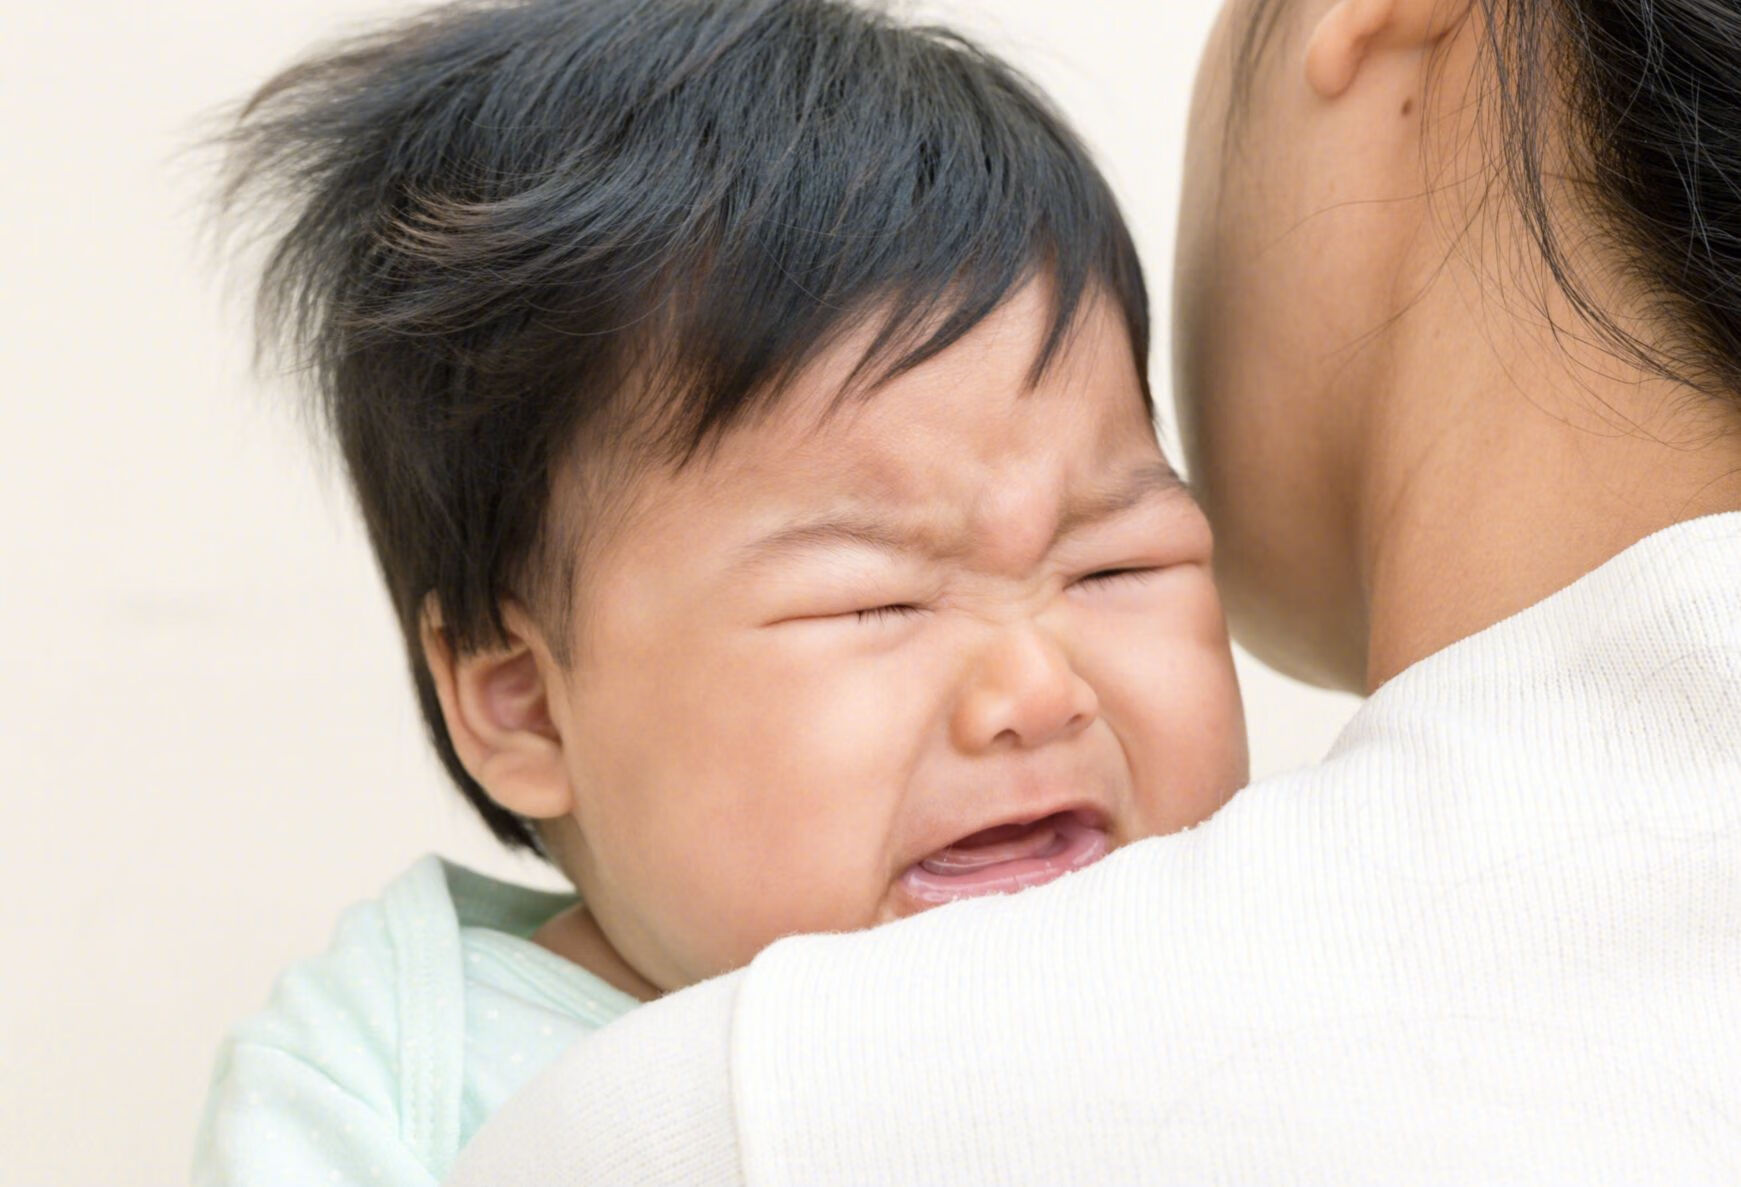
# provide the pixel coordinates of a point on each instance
(967, 455)
(995, 401)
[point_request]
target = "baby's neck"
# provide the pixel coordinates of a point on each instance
(575, 935)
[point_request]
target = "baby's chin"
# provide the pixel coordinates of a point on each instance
(1005, 859)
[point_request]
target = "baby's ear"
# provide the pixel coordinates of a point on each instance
(497, 707)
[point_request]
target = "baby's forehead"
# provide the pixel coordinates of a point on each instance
(934, 458)
(1005, 386)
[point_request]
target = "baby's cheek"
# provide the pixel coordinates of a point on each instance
(1215, 715)
(1186, 741)
(792, 888)
(791, 831)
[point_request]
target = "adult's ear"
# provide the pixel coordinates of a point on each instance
(1351, 32)
(497, 707)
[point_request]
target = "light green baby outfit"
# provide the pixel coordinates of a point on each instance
(376, 1061)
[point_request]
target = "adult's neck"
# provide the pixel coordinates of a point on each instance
(1510, 463)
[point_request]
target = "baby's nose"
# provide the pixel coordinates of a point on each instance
(1022, 692)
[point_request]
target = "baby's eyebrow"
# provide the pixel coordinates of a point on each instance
(1151, 480)
(852, 531)
(1148, 481)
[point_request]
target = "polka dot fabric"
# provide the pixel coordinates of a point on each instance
(376, 1061)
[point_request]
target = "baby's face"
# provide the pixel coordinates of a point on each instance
(958, 639)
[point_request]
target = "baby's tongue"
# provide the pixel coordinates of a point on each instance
(993, 846)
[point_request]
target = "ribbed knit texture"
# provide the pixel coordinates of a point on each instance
(1494, 937)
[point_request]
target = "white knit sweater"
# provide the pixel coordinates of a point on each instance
(1494, 937)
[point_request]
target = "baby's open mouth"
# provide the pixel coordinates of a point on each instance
(1009, 857)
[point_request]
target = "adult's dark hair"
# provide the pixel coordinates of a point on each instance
(1653, 92)
(1649, 92)
(507, 238)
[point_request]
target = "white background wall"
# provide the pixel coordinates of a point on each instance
(209, 746)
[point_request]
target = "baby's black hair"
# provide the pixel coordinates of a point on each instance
(505, 238)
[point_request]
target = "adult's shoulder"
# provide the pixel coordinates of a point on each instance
(1379, 963)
